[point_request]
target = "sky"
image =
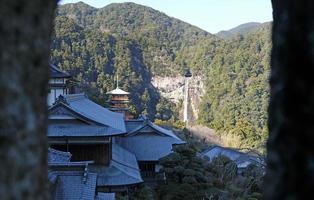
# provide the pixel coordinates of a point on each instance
(210, 15)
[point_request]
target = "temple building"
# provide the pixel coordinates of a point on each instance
(58, 84)
(119, 102)
(86, 130)
(95, 152)
(149, 143)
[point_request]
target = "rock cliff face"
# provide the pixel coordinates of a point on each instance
(172, 88)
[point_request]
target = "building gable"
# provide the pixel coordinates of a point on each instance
(146, 126)
(75, 116)
(63, 112)
(144, 129)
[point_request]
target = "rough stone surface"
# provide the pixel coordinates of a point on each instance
(173, 88)
(25, 28)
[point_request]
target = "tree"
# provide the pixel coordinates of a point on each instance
(25, 28)
(185, 173)
(290, 169)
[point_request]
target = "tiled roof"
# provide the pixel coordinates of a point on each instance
(81, 104)
(242, 159)
(123, 169)
(122, 156)
(139, 125)
(132, 124)
(114, 176)
(58, 156)
(75, 185)
(99, 121)
(105, 196)
(148, 141)
(55, 72)
(148, 146)
(80, 130)
(165, 131)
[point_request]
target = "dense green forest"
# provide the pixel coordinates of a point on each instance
(237, 90)
(138, 43)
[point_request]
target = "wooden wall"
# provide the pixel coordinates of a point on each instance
(99, 153)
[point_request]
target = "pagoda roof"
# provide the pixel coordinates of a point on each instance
(118, 91)
(55, 72)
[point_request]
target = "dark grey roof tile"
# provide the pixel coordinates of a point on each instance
(123, 169)
(81, 130)
(81, 104)
(55, 72)
(73, 185)
(58, 156)
(148, 146)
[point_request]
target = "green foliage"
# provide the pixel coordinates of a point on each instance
(143, 193)
(185, 174)
(190, 177)
(165, 109)
(237, 92)
(171, 123)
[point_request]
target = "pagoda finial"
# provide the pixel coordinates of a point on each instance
(117, 80)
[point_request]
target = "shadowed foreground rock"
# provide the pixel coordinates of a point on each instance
(290, 173)
(25, 28)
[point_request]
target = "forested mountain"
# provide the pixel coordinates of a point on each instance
(160, 37)
(242, 29)
(138, 43)
(237, 91)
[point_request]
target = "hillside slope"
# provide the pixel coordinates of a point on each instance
(242, 29)
(160, 37)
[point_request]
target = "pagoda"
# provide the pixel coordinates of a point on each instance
(119, 102)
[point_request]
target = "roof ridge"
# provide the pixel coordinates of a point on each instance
(58, 70)
(225, 149)
(75, 97)
(165, 131)
(59, 152)
(81, 105)
(147, 122)
(82, 96)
